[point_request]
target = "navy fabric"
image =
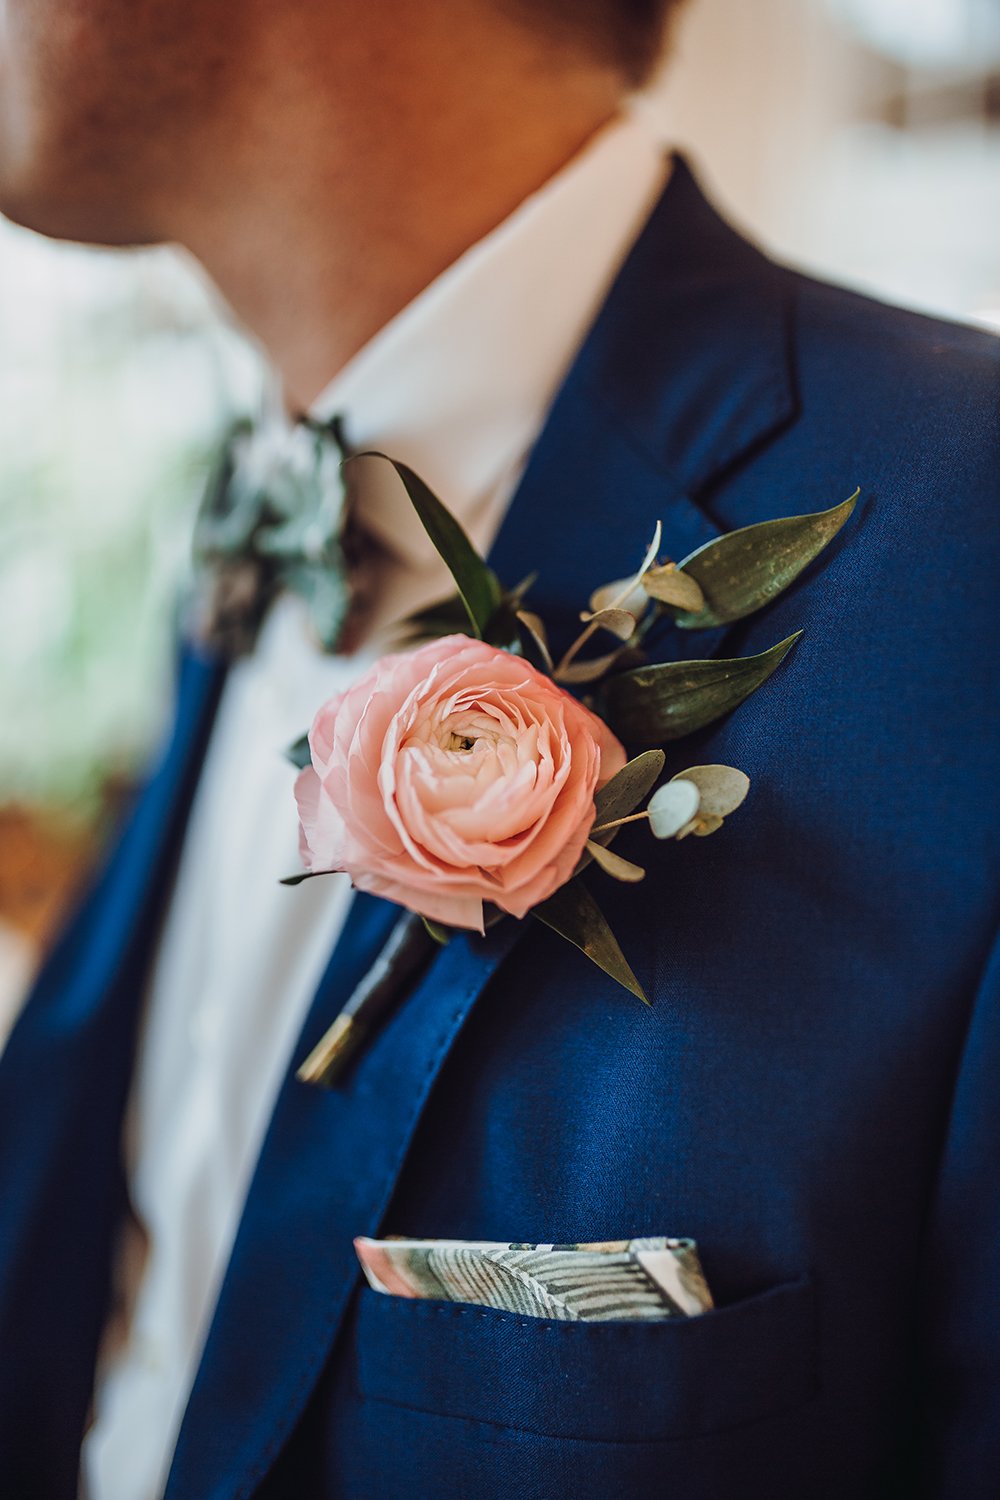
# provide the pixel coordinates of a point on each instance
(62, 1092)
(813, 1095)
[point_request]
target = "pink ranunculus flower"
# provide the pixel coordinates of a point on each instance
(452, 775)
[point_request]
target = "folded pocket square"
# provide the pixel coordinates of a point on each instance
(619, 1279)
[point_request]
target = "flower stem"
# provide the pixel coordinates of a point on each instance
(618, 822)
(574, 650)
(409, 949)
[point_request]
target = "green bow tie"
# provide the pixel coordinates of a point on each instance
(274, 519)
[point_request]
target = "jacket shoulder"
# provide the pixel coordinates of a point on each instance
(899, 393)
(896, 350)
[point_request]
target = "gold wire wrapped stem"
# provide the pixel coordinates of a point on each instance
(405, 955)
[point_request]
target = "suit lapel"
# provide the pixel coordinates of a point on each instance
(684, 371)
(63, 1194)
(327, 1172)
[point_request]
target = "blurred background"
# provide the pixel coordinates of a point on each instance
(859, 139)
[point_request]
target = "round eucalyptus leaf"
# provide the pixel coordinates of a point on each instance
(722, 788)
(672, 807)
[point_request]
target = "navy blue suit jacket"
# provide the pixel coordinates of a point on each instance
(815, 1094)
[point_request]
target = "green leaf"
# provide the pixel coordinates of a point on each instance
(668, 700)
(619, 622)
(437, 932)
(625, 591)
(476, 582)
(574, 914)
(304, 875)
(613, 864)
(722, 789)
(517, 596)
(742, 571)
(534, 646)
(620, 796)
(579, 673)
(299, 753)
(504, 629)
(445, 617)
(671, 586)
(623, 793)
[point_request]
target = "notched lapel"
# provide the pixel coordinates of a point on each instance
(326, 1173)
(684, 371)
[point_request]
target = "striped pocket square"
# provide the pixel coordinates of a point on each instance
(647, 1279)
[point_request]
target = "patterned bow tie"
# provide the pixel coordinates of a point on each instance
(275, 519)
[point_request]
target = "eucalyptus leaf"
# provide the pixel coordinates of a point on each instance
(619, 797)
(516, 596)
(624, 592)
(574, 914)
(611, 613)
(476, 582)
(651, 551)
(593, 667)
(667, 700)
(672, 807)
(534, 645)
(723, 788)
(613, 595)
(745, 569)
(299, 754)
(619, 622)
(671, 586)
(623, 793)
(535, 624)
(707, 824)
(614, 864)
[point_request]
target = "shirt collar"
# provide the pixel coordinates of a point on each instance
(458, 384)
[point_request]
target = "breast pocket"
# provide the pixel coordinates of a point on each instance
(627, 1383)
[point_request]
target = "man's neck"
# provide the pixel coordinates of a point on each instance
(341, 204)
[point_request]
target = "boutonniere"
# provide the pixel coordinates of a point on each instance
(471, 778)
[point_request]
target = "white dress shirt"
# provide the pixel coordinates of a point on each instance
(458, 386)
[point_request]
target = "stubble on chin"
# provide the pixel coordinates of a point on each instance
(104, 111)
